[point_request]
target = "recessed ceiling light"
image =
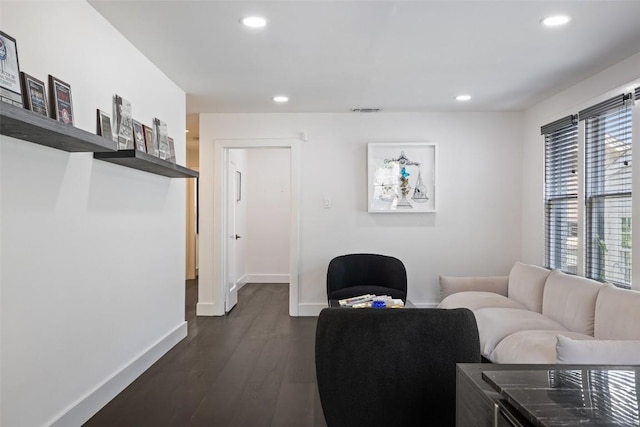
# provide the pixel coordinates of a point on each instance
(555, 21)
(254, 21)
(463, 97)
(280, 98)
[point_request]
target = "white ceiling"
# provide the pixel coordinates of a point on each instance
(331, 56)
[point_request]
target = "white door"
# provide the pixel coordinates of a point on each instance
(231, 297)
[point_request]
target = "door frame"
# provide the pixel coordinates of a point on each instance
(211, 282)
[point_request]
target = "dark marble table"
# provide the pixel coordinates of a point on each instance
(591, 396)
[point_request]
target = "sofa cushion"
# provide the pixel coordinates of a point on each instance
(593, 352)
(531, 346)
(617, 314)
(453, 284)
(476, 300)
(571, 301)
(494, 324)
(526, 285)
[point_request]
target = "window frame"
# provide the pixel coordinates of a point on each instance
(602, 235)
(561, 194)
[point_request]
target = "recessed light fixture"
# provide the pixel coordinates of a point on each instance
(463, 97)
(186, 130)
(280, 98)
(253, 21)
(555, 21)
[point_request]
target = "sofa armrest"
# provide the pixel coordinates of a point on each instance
(452, 284)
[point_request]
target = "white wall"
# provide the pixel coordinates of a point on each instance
(92, 253)
(475, 231)
(268, 195)
(622, 77)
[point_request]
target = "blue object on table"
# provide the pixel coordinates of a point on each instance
(378, 304)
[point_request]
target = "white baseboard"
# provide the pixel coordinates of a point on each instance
(208, 309)
(241, 281)
(310, 309)
(87, 406)
(425, 304)
(266, 278)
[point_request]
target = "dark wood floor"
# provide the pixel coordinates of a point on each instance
(253, 367)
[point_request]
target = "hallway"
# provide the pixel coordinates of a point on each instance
(253, 367)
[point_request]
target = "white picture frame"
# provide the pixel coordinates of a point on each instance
(401, 177)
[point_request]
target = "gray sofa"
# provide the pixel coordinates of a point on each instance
(535, 315)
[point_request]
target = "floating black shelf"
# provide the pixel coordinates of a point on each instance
(146, 162)
(23, 124)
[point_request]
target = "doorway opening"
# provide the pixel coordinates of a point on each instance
(219, 239)
(258, 209)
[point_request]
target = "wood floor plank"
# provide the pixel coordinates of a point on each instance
(295, 405)
(301, 366)
(260, 394)
(253, 367)
(318, 415)
(222, 400)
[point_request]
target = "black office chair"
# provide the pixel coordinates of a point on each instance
(392, 367)
(359, 274)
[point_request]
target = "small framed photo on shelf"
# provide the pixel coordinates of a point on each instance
(60, 99)
(150, 141)
(161, 137)
(34, 94)
(172, 150)
(10, 87)
(138, 136)
(103, 127)
(123, 123)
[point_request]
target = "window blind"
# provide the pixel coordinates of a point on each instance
(561, 194)
(608, 214)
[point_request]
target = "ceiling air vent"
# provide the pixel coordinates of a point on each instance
(366, 110)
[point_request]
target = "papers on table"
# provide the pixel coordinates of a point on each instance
(371, 300)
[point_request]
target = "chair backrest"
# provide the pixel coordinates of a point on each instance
(366, 270)
(384, 367)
